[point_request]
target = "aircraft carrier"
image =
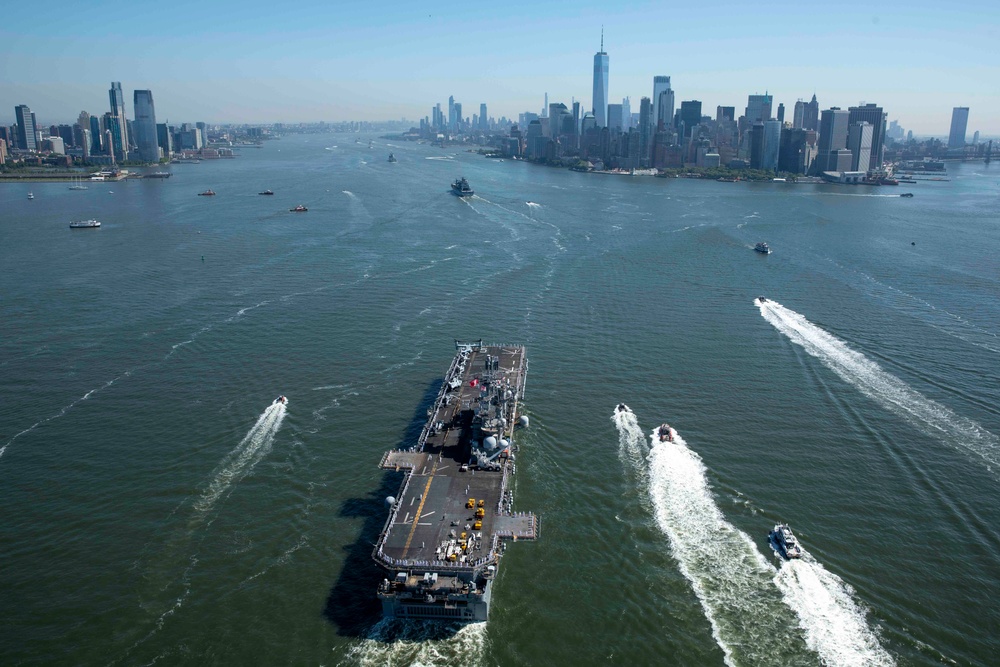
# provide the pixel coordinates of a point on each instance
(452, 517)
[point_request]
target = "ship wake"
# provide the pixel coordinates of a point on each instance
(834, 623)
(254, 446)
(420, 643)
(887, 390)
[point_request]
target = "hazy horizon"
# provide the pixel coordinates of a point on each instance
(245, 63)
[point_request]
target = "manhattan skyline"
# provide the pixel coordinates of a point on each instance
(246, 63)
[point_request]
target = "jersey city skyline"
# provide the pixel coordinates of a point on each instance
(237, 64)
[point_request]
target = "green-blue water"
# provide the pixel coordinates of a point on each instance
(156, 509)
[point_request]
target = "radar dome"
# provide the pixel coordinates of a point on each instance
(523, 420)
(389, 501)
(490, 443)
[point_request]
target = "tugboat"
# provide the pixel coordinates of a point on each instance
(207, 193)
(281, 399)
(762, 248)
(392, 158)
(784, 542)
(85, 224)
(298, 209)
(461, 188)
(265, 192)
(906, 194)
(665, 433)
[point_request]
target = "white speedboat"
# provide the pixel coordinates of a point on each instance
(784, 542)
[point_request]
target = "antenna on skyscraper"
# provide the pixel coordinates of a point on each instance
(602, 39)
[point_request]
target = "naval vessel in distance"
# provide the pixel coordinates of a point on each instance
(452, 517)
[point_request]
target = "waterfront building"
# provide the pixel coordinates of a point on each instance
(859, 142)
(959, 127)
(662, 109)
(645, 131)
(145, 126)
(833, 127)
(601, 86)
(25, 128)
(119, 129)
(772, 144)
(871, 113)
(165, 139)
(65, 132)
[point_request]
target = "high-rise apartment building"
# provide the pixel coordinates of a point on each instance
(601, 86)
(145, 126)
(871, 113)
(25, 128)
(663, 109)
(959, 127)
(119, 131)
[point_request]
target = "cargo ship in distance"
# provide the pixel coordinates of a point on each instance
(452, 517)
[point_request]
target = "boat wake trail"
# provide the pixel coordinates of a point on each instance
(254, 446)
(834, 624)
(730, 577)
(424, 643)
(884, 388)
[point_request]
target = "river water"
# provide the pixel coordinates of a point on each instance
(158, 508)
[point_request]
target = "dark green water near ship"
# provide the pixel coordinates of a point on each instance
(157, 508)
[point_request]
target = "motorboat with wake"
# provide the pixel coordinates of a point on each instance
(265, 192)
(784, 542)
(298, 209)
(392, 158)
(762, 248)
(623, 408)
(761, 300)
(207, 193)
(85, 224)
(281, 399)
(906, 194)
(665, 433)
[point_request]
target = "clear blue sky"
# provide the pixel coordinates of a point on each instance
(251, 61)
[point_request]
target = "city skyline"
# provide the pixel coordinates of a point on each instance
(355, 64)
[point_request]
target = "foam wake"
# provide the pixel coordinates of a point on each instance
(834, 624)
(254, 446)
(884, 388)
(419, 644)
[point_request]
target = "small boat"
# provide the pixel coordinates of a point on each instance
(392, 158)
(761, 299)
(85, 224)
(906, 194)
(281, 399)
(207, 193)
(784, 542)
(623, 408)
(762, 248)
(462, 188)
(31, 195)
(265, 192)
(78, 184)
(298, 209)
(665, 433)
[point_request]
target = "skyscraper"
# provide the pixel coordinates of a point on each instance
(451, 112)
(859, 140)
(810, 115)
(832, 137)
(781, 112)
(484, 122)
(959, 126)
(758, 108)
(645, 131)
(626, 113)
(145, 126)
(798, 115)
(772, 144)
(601, 85)
(661, 84)
(119, 131)
(871, 113)
(25, 128)
(690, 115)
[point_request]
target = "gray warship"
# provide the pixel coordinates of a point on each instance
(452, 518)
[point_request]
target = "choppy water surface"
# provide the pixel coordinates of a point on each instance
(159, 508)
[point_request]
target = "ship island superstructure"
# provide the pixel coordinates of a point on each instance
(453, 516)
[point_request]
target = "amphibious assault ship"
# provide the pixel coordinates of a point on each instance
(452, 517)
